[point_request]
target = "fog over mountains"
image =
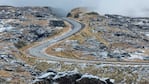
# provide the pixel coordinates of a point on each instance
(122, 7)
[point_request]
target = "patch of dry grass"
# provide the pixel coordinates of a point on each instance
(65, 53)
(84, 33)
(42, 66)
(5, 74)
(35, 22)
(146, 52)
(121, 45)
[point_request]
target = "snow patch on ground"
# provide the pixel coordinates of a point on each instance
(89, 76)
(62, 74)
(59, 49)
(135, 56)
(46, 75)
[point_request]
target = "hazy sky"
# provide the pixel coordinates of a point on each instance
(123, 7)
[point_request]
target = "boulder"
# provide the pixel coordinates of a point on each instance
(66, 77)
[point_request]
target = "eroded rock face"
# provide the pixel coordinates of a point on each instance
(69, 77)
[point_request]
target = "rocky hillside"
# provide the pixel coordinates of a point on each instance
(24, 25)
(104, 38)
(108, 37)
(20, 28)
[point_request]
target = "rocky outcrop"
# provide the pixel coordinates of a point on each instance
(77, 12)
(57, 23)
(69, 77)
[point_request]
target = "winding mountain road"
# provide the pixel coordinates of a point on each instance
(39, 50)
